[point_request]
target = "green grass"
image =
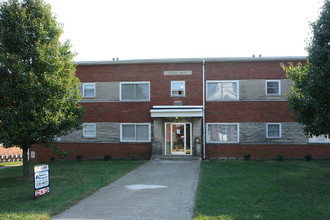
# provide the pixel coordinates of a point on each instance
(70, 181)
(238, 189)
(5, 164)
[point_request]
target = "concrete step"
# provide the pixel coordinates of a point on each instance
(175, 157)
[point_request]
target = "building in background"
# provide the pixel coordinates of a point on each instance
(197, 108)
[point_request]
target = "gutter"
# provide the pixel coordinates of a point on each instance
(193, 60)
(204, 109)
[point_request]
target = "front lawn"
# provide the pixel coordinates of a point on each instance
(238, 189)
(70, 181)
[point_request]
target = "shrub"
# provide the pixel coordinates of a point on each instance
(52, 159)
(308, 157)
(107, 157)
(280, 157)
(135, 157)
(79, 157)
(247, 157)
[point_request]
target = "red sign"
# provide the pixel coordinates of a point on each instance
(41, 191)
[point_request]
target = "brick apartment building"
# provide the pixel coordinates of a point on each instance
(161, 108)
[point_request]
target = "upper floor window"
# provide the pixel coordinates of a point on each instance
(135, 132)
(135, 91)
(178, 88)
(89, 130)
(89, 90)
(222, 132)
(319, 139)
(222, 90)
(273, 130)
(273, 87)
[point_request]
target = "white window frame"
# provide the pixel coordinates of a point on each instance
(280, 130)
(135, 124)
(89, 84)
(184, 88)
(133, 100)
(279, 87)
(324, 139)
(84, 130)
(223, 142)
(221, 81)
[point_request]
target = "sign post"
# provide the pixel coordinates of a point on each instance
(41, 180)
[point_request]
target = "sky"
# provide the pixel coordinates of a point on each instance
(151, 29)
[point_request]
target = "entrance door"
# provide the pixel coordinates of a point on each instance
(178, 138)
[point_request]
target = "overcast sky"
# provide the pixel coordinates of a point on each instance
(144, 29)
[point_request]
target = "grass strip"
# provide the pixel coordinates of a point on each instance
(70, 181)
(238, 189)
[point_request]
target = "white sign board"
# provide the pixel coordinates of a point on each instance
(41, 180)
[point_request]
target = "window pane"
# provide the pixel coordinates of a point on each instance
(211, 91)
(273, 130)
(128, 132)
(321, 138)
(89, 90)
(222, 133)
(222, 91)
(177, 88)
(142, 132)
(273, 88)
(89, 130)
(229, 90)
(142, 91)
(127, 92)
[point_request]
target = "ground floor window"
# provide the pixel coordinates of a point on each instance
(319, 139)
(222, 132)
(137, 132)
(273, 130)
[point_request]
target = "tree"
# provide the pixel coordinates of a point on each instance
(310, 93)
(39, 91)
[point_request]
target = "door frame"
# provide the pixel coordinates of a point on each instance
(185, 138)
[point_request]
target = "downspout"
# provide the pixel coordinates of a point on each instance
(204, 109)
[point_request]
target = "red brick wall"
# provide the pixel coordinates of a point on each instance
(248, 112)
(160, 85)
(96, 150)
(244, 70)
(267, 151)
(10, 151)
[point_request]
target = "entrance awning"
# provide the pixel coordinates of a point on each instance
(176, 111)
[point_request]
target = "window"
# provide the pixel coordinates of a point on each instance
(222, 90)
(89, 90)
(319, 139)
(139, 132)
(135, 91)
(89, 130)
(222, 133)
(273, 130)
(177, 88)
(273, 87)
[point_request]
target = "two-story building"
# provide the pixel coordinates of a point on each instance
(205, 108)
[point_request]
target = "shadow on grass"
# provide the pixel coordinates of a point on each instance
(70, 181)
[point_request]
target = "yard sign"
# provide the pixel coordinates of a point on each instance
(41, 180)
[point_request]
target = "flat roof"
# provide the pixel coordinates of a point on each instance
(193, 60)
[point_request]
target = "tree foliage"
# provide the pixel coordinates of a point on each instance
(309, 97)
(38, 87)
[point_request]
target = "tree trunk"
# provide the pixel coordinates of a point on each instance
(25, 163)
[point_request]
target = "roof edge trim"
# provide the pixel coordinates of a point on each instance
(193, 60)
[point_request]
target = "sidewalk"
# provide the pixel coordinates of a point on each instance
(160, 189)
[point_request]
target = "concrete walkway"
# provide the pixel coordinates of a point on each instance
(160, 189)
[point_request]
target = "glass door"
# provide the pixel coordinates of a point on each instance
(178, 138)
